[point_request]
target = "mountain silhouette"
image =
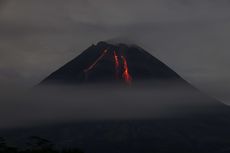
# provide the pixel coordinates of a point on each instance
(106, 62)
(168, 116)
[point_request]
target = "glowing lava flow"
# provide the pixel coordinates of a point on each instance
(126, 75)
(94, 63)
(116, 64)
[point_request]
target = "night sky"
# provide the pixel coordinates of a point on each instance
(190, 36)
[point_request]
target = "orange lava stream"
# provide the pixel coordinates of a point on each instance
(116, 64)
(97, 60)
(126, 75)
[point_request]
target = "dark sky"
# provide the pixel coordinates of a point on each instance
(191, 36)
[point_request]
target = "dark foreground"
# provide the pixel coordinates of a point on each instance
(198, 134)
(183, 120)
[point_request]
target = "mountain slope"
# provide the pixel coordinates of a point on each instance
(112, 63)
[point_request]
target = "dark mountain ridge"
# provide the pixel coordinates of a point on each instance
(106, 62)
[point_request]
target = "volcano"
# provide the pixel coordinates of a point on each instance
(111, 63)
(165, 115)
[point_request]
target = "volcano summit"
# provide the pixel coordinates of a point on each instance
(106, 62)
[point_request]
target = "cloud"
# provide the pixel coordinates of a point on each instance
(58, 104)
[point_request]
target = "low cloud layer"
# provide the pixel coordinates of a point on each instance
(58, 104)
